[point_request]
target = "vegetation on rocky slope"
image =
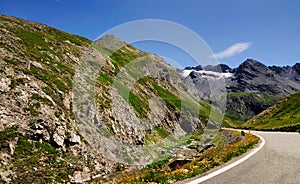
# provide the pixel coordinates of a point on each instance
(169, 170)
(38, 162)
(39, 139)
(284, 116)
(40, 136)
(241, 106)
(149, 72)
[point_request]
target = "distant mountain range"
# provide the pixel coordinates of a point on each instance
(251, 76)
(251, 87)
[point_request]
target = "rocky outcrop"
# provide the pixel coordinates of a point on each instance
(243, 106)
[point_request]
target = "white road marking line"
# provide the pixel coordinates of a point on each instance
(226, 168)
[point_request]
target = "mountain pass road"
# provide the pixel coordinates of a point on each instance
(278, 162)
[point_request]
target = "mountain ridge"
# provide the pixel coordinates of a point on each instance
(251, 87)
(283, 71)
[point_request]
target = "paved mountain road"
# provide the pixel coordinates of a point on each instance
(278, 162)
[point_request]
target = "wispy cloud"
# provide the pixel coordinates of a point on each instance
(232, 50)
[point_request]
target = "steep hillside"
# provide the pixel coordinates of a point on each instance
(71, 110)
(40, 141)
(140, 100)
(284, 116)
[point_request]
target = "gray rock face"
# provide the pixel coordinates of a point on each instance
(253, 76)
(75, 138)
(252, 87)
(58, 136)
(289, 72)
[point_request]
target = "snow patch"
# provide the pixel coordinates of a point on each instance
(186, 73)
(208, 74)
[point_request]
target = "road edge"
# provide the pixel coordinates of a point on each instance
(231, 165)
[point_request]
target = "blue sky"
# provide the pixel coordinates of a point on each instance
(266, 30)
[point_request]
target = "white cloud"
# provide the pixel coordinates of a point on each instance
(232, 50)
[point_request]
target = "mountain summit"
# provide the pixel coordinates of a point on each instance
(111, 42)
(253, 76)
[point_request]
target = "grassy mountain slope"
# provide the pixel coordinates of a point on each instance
(40, 137)
(284, 115)
(140, 79)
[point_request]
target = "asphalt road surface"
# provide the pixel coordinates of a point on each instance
(278, 162)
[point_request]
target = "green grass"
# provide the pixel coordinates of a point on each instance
(63, 67)
(283, 114)
(8, 134)
(106, 76)
(139, 105)
(159, 163)
(39, 98)
(121, 57)
(60, 85)
(48, 91)
(105, 79)
(137, 99)
(24, 147)
(168, 97)
(161, 131)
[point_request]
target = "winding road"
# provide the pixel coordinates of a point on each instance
(277, 162)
